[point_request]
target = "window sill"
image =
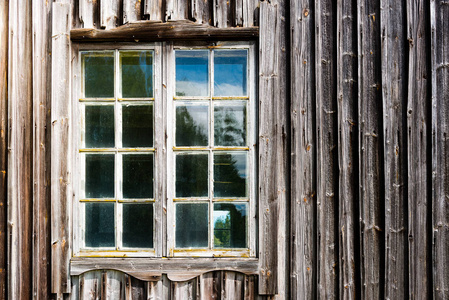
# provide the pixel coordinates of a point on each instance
(151, 269)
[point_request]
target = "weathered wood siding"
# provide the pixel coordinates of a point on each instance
(353, 147)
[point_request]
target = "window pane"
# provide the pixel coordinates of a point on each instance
(137, 125)
(138, 225)
(192, 73)
(230, 226)
(137, 74)
(99, 176)
(192, 225)
(138, 176)
(98, 74)
(230, 68)
(99, 125)
(192, 125)
(230, 125)
(230, 173)
(191, 175)
(100, 225)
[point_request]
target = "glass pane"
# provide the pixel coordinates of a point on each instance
(230, 125)
(138, 225)
(137, 126)
(137, 74)
(230, 68)
(192, 73)
(98, 74)
(138, 176)
(191, 175)
(99, 176)
(99, 125)
(100, 225)
(230, 173)
(192, 125)
(230, 226)
(192, 225)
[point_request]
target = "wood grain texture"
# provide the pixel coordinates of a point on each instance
(303, 169)
(176, 10)
(61, 195)
(153, 9)
(349, 286)
(4, 32)
(156, 31)
(41, 146)
(89, 13)
(418, 125)
(370, 149)
(394, 95)
(327, 160)
(110, 13)
(201, 11)
(20, 135)
(132, 10)
(223, 13)
(439, 12)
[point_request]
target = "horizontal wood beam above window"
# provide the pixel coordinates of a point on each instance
(178, 269)
(148, 31)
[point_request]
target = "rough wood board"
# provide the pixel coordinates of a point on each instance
(439, 12)
(41, 146)
(418, 125)
(153, 10)
(326, 135)
(89, 13)
(347, 149)
(20, 136)
(370, 149)
(109, 13)
(303, 169)
(4, 32)
(201, 11)
(132, 10)
(60, 149)
(156, 31)
(394, 82)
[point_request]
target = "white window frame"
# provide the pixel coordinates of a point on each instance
(163, 105)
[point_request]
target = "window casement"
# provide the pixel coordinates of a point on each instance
(165, 151)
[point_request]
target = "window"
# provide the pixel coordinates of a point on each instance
(166, 151)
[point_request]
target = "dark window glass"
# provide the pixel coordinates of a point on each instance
(98, 74)
(137, 74)
(100, 225)
(138, 176)
(192, 125)
(230, 228)
(138, 225)
(192, 225)
(230, 173)
(230, 125)
(99, 124)
(137, 126)
(191, 175)
(99, 176)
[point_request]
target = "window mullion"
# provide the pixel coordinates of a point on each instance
(118, 144)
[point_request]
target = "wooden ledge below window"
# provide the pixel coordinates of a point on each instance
(151, 31)
(151, 269)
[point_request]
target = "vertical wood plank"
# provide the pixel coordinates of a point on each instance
(233, 284)
(91, 285)
(347, 149)
(176, 10)
(208, 285)
(201, 11)
(327, 176)
(153, 9)
(88, 13)
(394, 94)
(41, 18)
(4, 32)
(113, 285)
(418, 105)
(250, 12)
(60, 148)
(303, 172)
(222, 13)
(238, 13)
(370, 149)
(20, 187)
(109, 13)
(132, 10)
(439, 12)
(187, 290)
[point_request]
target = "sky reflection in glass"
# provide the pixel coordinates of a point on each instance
(192, 72)
(230, 71)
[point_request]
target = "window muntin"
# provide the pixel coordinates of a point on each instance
(213, 119)
(241, 108)
(117, 154)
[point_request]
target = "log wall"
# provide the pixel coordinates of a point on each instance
(353, 145)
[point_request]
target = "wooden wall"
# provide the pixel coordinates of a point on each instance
(353, 148)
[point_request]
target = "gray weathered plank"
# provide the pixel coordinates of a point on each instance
(41, 156)
(418, 104)
(370, 149)
(326, 135)
(109, 13)
(347, 149)
(176, 10)
(201, 11)
(439, 12)
(394, 82)
(155, 31)
(303, 172)
(60, 141)
(222, 13)
(4, 15)
(20, 141)
(188, 290)
(250, 13)
(132, 10)
(88, 12)
(153, 9)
